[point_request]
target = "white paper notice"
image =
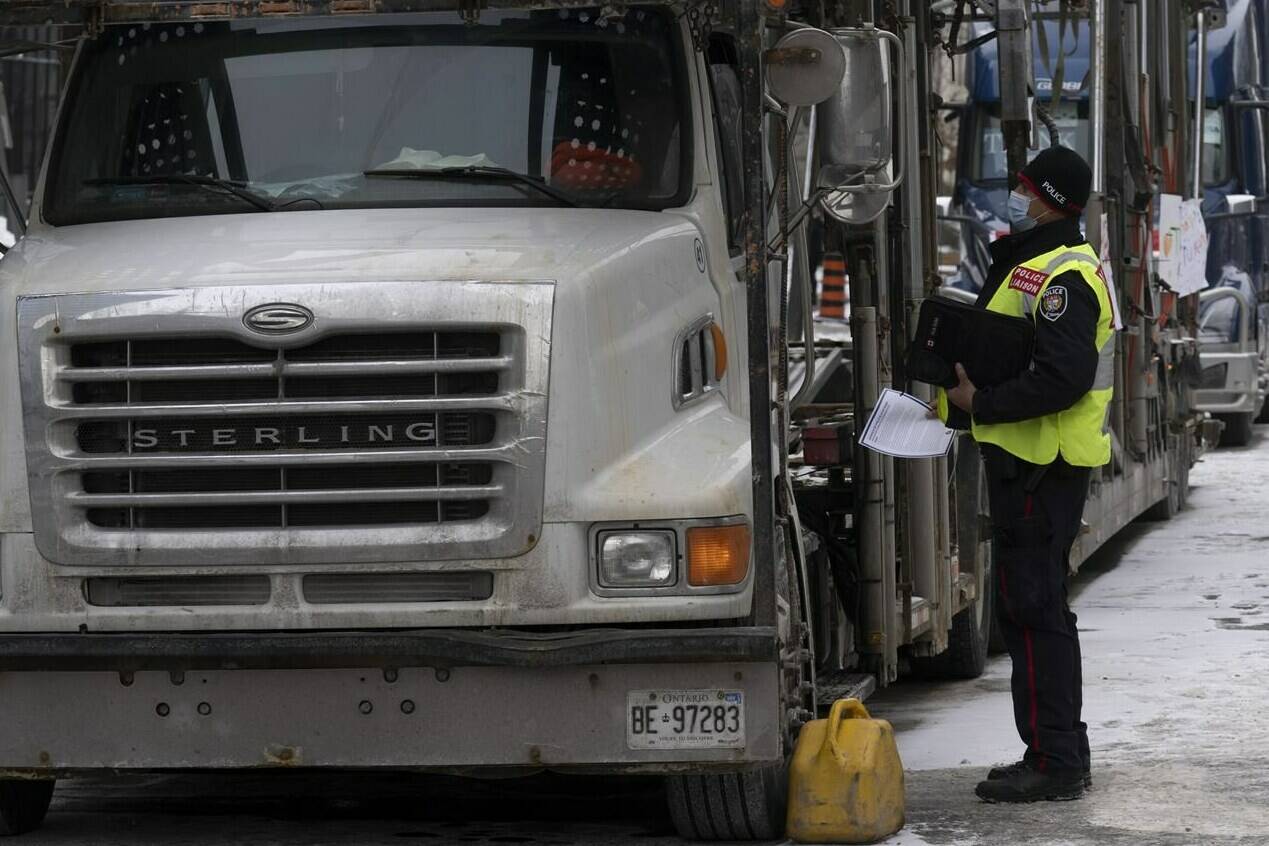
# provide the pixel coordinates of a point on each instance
(901, 426)
(1108, 276)
(1167, 246)
(1192, 251)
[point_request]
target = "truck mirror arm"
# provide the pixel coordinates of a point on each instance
(18, 47)
(971, 222)
(971, 45)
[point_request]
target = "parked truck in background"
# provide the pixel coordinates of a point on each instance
(372, 365)
(980, 179)
(1233, 331)
(1234, 311)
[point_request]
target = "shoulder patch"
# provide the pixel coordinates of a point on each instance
(1053, 302)
(1026, 280)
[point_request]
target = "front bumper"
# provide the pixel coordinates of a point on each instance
(547, 586)
(1226, 402)
(437, 699)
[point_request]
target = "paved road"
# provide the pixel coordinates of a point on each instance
(1175, 631)
(1176, 643)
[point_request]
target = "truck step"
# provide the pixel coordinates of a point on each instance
(843, 685)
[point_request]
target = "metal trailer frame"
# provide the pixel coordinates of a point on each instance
(1156, 434)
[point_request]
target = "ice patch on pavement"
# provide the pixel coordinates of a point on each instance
(1213, 800)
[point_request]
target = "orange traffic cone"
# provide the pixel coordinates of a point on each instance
(833, 295)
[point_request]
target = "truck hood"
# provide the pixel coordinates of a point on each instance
(313, 246)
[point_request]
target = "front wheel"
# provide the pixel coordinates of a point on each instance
(1237, 430)
(23, 804)
(747, 805)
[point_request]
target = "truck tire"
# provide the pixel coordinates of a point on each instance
(1263, 416)
(996, 643)
(968, 641)
(1183, 473)
(748, 805)
(1166, 508)
(1178, 486)
(23, 804)
(1237, 430)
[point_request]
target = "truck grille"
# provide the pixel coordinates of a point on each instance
(409, 432)
(187, 590)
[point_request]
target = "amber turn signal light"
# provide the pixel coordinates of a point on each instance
(720, 351)
(717, 555)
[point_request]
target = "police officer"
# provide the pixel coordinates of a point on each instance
(1040, 435)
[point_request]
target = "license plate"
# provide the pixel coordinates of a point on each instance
(685, 719)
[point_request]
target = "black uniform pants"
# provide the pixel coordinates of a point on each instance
(1036, 515)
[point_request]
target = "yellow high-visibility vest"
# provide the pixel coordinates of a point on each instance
(1078, 433)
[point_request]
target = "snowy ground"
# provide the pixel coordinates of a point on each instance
(1175, 626)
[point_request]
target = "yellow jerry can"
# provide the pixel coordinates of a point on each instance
(846, 779)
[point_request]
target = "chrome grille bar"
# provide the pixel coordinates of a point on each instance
(284, 368)
(405, 424)
(137, 500)
(288, 408)
(506, 454)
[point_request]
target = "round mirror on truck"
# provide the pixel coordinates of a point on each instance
(805, 67)
(854, 206)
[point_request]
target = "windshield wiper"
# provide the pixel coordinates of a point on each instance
(504, 174)
(212, 183)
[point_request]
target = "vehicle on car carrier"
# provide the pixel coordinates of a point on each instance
(373, 364)
(1234, 313)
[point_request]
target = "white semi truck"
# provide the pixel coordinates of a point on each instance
(425, 384)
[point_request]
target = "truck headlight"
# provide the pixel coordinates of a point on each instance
(635, 559)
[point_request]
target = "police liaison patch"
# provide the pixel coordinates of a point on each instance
(1027, 281)
(1053, 302)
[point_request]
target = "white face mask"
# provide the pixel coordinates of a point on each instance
(1019, 220)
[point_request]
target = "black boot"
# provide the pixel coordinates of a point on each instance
(1007, 770)
(1026, 784)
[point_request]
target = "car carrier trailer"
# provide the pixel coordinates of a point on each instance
(1234, 313)
(332, 427)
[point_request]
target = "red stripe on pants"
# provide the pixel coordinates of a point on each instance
(1035, 708)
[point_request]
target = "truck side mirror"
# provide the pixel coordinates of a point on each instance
(854, 134)
(805, 67)
(1241, 203)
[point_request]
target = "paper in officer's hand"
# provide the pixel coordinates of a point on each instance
(901, 426)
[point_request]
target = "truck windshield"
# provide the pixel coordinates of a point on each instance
(1220, 321)
(376, 111)
(991, 162)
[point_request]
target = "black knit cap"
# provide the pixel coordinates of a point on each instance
(1060, 177)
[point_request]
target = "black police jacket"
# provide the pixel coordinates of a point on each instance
(1064, 363)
